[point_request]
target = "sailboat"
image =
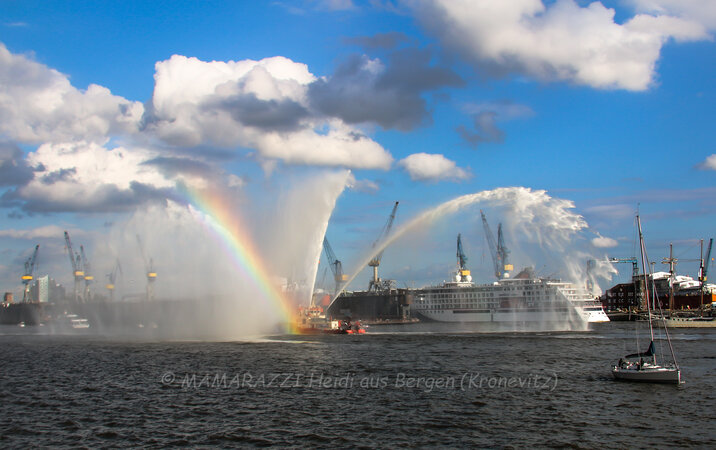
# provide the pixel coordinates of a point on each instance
(646, 368)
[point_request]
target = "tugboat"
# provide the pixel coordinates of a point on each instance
(313, 321)
(346, 327)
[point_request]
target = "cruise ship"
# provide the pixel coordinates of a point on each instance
(524, 298)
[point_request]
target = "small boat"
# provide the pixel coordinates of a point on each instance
(72, 321)
(647, 370)
(314, 321)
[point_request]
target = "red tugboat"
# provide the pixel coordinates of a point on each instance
(313, 321)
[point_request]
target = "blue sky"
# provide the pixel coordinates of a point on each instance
(609, 105)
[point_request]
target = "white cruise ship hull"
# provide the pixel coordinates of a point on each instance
(508, 301)
(497, 316)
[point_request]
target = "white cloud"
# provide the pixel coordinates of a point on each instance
(432, 167)
(257, 104)
(361, 185)
(700, 11)
(559, 42)
(38, 104)
(709, 163)
(48, 231)
(85, 176)
(604, 242)
(339, 147)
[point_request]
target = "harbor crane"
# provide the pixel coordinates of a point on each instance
(77, 270)
(88, 277)
(335, 265)
(462, 271)
(149, 269)
(27, 277)
(112, 279)
(497, 249)
(632, 260)
(376, 283)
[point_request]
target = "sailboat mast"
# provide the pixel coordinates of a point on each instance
(701, 278)
(645, 266)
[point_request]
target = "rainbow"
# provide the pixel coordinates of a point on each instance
(219, 217)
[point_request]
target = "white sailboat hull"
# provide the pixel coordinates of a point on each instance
(650, 374)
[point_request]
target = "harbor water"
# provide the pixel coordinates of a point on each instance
(409, 385)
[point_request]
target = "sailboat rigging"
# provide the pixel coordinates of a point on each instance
(649, 369)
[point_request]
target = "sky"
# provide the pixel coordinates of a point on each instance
(110, 110)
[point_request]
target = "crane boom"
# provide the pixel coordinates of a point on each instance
(112, 279)
(149, 268)
(498, 250)
(461, 258)
(502, 252)
(30, 265)
(85, 263)
(70, 252)
(491, 243)
(27, 277)
(463, 272)
(375, 283)
(335, 265)
(632, 260)
(708, 258)
(383, 233)
(76, 262)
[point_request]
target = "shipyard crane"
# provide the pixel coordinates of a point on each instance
(632, 260)
(375, 283)
(149, 269)
(498, 250)
(335, 265)
(27, 277)
(88, 277)
(112, 277)
(463, 274)
(76, 262)
(706, 262)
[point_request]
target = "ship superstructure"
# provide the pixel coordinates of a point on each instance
(524, 298)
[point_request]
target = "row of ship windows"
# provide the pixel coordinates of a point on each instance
(442, 298)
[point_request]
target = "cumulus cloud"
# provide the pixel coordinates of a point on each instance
(432, 167)
(604, 242)
(485, 117)
(254, 104)
(45, 232)
(485, 130)
(14, 171)
(365, 90)
(561, 41)
(85, 176)
(709, 163)
(361, 185)
(38, 104)
(699, 11)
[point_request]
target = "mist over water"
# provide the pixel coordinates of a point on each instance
(284, 233)
(542, 231)
(194, 263)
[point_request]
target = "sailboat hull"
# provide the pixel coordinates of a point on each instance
(653, 374)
